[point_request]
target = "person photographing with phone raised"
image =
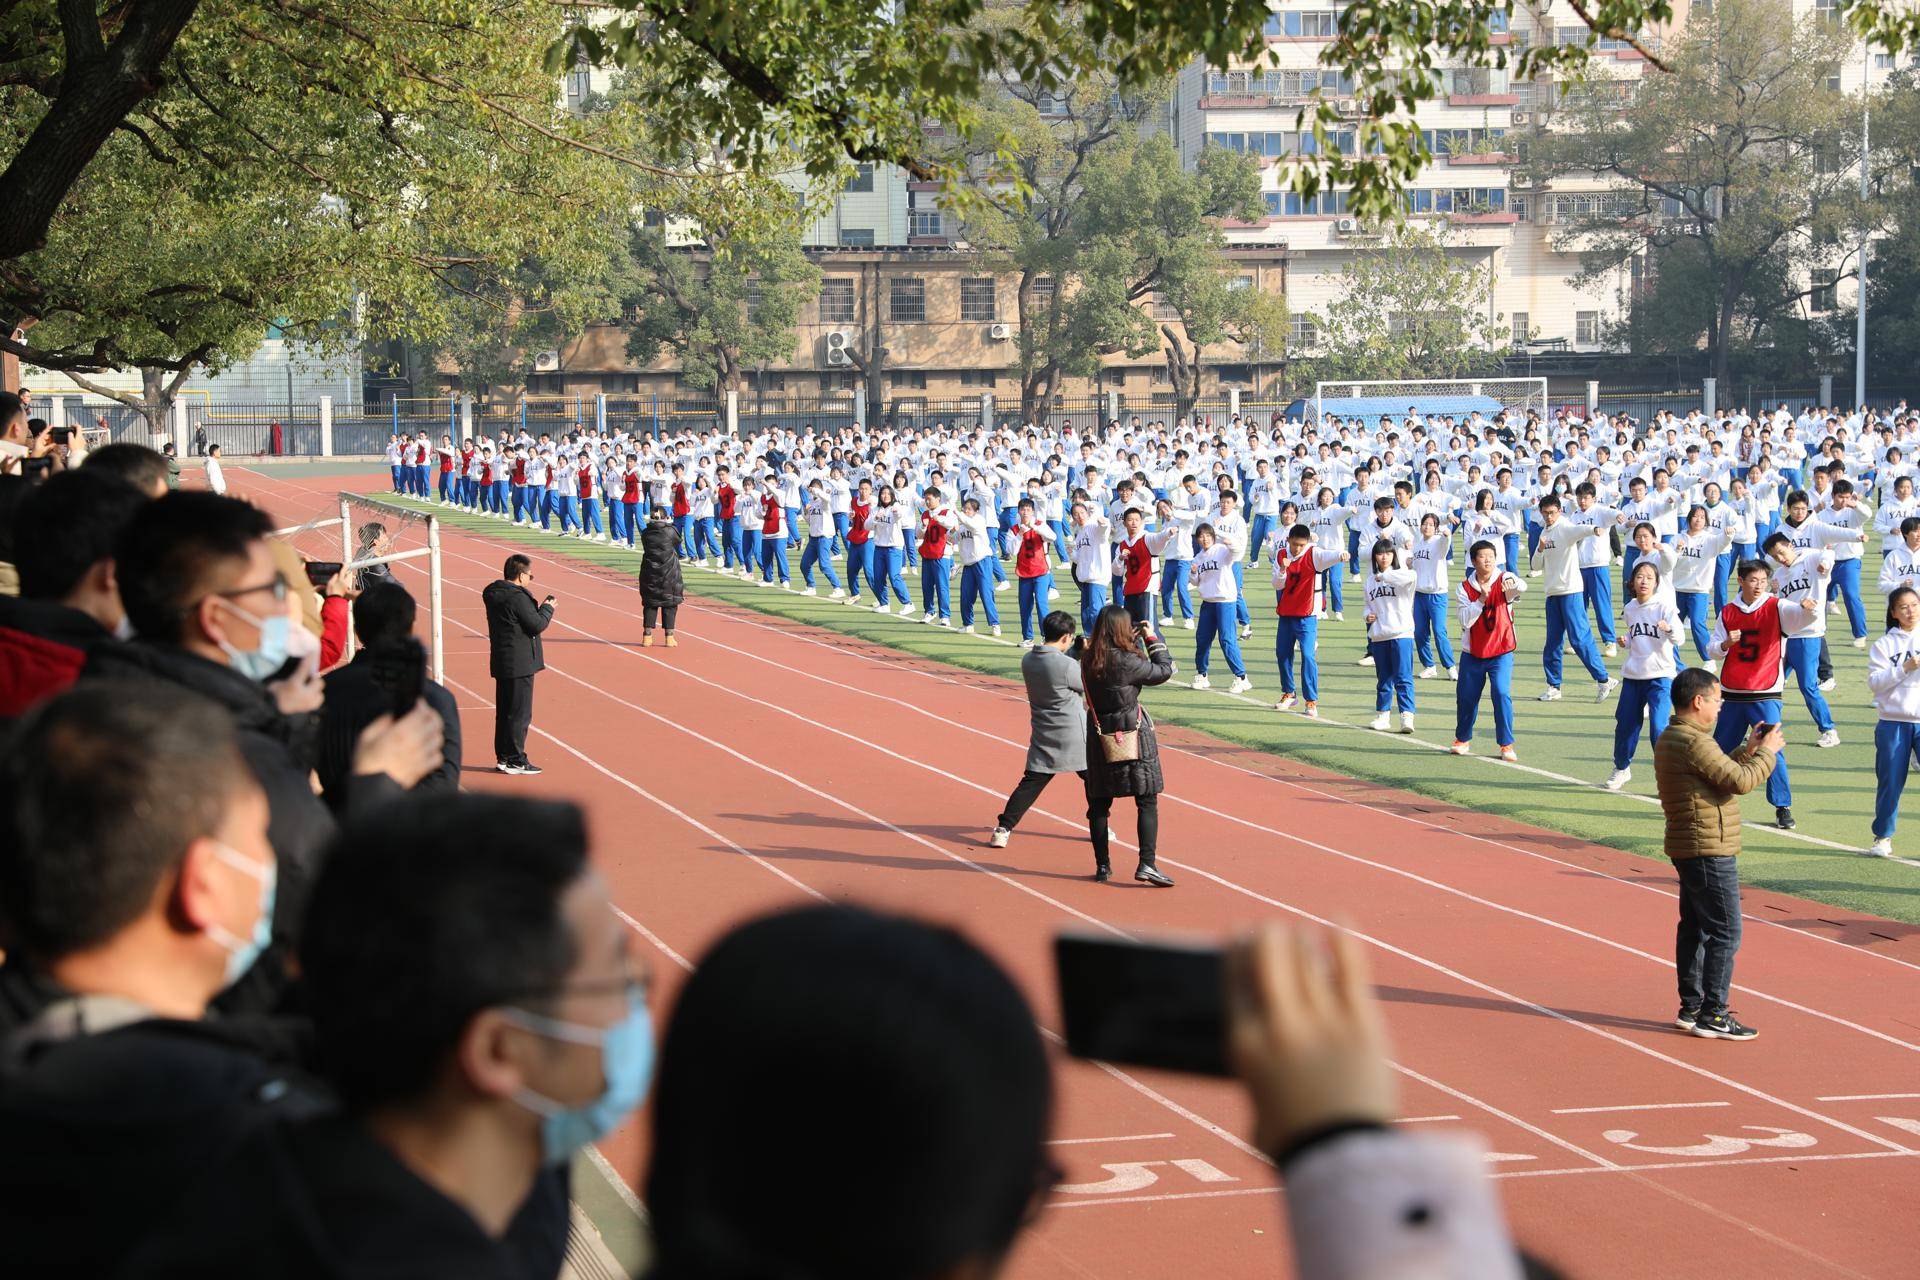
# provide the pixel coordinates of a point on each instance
(1121, 658)
(514, 624)
(1700, 786)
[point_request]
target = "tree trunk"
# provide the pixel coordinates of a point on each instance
(1183, 373)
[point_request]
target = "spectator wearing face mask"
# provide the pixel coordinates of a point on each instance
(478, 1012)
(64, 536)
(138, 882)
(209, 609)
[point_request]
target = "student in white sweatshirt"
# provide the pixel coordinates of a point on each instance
(977, 552)
(1893, 673)
(1092, 560)
(1803, 577)
(1213, 577)
(1558, 550)
(1901, 567)
(1653, 631)
(1431, 592)
(1696, 558)
(1172, 541)
(1389, 589)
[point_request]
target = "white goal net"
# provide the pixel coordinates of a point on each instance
(372, 539)
(1430, 397)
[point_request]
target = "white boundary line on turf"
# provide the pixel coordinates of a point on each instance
(1421, 961)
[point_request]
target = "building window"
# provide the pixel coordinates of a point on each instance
(924, 222)
(836, 300)
(986, 379)
(1823, 296)
(862, 179)
(907, 301)
(1522, 328)
(1311, 24)
(904, 380)
(1303, 333)
(1883, 62)
(1827, 11)
(1040, 295)
(1162, 309)
(1240, 282)
(856, 237)
(1517, 206)
(1586, 328)
(977, 300)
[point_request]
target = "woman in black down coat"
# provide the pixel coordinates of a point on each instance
(1120, 660)
(661, 589)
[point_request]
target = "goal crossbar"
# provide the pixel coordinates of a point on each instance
(1371, 400)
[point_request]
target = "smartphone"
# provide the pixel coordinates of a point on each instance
(401, 672)
(60, 435)
(321, 572)
(1145, 1004)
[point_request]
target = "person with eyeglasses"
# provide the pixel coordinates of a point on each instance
(208, 608)
(481, 1018)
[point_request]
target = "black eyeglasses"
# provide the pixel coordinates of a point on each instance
(278, 587)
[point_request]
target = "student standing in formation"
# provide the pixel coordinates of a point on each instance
(1213, 563)
(1173, 539)
(1750, 639)
(1803, 577)
(1328, 520)
(706, 540)
(1596, 561)
(1031, 567)
(1845, 513)
(1134, 567)
(565, 492)
(1297, 568)
(1893, 673)
(590, 527)
(1431, 551)
(1653, 631)
(818, 551)
(1901, 565)
(1092, 559)
(976, 538)
(1697, 555)
(1231, 527)
(935, 579)
(1486, 599)
(751, 515)
(1389, 589)
(773, 534)
(859, 541)
(887, 522)
(1559, 547)
(726, 507)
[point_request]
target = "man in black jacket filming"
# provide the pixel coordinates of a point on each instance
(514, 624)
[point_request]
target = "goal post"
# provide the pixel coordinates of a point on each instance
(368, 532)
(1430, 397)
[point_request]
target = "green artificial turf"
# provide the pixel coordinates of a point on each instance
(1833, 789)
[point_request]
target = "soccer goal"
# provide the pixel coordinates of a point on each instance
(369, 534)
(1429, 397)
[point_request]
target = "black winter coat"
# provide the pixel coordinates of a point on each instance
(660, 581)
(1115, 699)
(514, 624)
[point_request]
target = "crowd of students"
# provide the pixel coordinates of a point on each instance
(1439, 521)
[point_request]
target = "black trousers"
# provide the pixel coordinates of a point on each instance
(1099, 808)
(1709, 932)
(512, 713)
(659, 614)
(1031, 785)
(1823, 669)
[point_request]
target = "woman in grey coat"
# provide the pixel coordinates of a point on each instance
(1058, 743)
(1120, 659)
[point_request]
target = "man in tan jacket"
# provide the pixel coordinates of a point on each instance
(1700, 788)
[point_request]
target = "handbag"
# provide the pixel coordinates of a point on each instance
(1121, 746)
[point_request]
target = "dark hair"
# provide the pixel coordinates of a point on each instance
(1058, 625)
(66, 526)
(1477, 547)
(212, 449)
(383, 614)
(436, 908)
(926, 1096)
(1379, 545)
(11, 407)
(139, 466)
(1690, 684)
(1111, 633)
(1841, 488)
(169, 551)
(516, 565)
(1585, 489)
(1893, 597)
(1799, 496)
(1908, 525)
(1775, 539)
(109, 783)
(1549, 502)
(1299, 531)
(1746, 567)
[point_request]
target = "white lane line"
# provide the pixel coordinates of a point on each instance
(1865, 1097)
(1638, 1106)
(1423, 1119)
(655, 939)
(1125, 1137)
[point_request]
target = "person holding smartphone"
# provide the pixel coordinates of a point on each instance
(1120, 659)
(514, 624)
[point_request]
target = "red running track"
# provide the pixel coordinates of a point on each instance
(1527, 976)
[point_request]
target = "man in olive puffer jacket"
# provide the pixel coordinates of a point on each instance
(1700, 788)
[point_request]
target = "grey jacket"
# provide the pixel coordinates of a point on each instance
(1059, 743)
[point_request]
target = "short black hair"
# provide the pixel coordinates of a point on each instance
(437, 908)
(169, 550)
(1690, 684)
(1800, 496)
(109, 783)
(1057, 626)
(66, 526)
(1549, 502)
(516, 565)
(1748, 567)
(139, 466)
(383, 615)
(925, 1084)
(1775, 539)
(1479, 546)
(1299, 531)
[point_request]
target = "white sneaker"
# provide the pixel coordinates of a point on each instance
(786, 586)
(1246, 632)
(1003, 586)
(1710, 666)
(1612, 651)
(1406, 722)
(999, 838)
(839, 593)
(1534, 574)
(1620, 778)
(1880, 849)
(856, 602)
(1460, 748)
(947, 623)
(967, 630)
(1379, 722)
(1605, 689)
(1312, 711)
(1426, 673)
(932, 615)
(1831, 738)
(1201, 682)
(1550, 694)
(930, 619)
(996, 629)
(1240, 685)
(883, 608)
(1026, 644)
(1286, 702)
(1339, 616)
(1826, 686)
(810, 591)
(906, 609)
(1188, 624)
(1453, 674)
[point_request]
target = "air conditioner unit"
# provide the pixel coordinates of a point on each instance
(1000, 332)
(838, 355)
(546, 362)
(1522, 117)
(1347, 106)
(837, 339)
(1346, 226)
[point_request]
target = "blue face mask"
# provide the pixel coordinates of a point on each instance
(242, 952)
(259, 663)
(626, 1064)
